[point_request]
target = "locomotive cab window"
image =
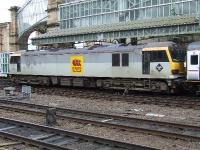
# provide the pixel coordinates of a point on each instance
(177, 54)
(115, 60)
(125, 59)
(15, 59)
(159, 56)
(194, 60)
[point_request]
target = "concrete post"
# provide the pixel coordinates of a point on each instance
(13, 29)
(51, 116)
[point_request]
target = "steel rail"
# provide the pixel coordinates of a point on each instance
(158, 99)
(79, 137)
(167, 129)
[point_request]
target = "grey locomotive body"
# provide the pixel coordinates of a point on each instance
(143, 67)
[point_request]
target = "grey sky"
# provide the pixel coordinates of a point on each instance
(5, 5)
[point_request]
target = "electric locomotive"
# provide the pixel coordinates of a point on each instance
(157, 66)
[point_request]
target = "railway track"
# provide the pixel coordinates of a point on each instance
(5, 83)
(56, 139)
(183, 101)
(166, 129)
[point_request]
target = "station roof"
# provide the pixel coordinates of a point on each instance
(123, 26)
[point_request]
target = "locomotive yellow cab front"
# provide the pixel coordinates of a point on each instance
(165, 61)
(176, 58)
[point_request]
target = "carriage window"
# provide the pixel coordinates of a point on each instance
(159, 56)
(115, 60)
(125, 59)
(194, 60)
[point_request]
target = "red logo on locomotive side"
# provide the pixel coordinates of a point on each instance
(76, 62)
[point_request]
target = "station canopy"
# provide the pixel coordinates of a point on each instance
(104, 19)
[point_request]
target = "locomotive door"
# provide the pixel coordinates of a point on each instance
(193, 67)
(146, 62)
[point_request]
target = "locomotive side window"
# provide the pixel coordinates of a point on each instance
(16, 60)
(125, 59)
(194, 60)
(115, 60)
(159, 56)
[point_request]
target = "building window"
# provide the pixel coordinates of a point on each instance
(194, 60)
(159, 56)
(115, 60)
(125, 59)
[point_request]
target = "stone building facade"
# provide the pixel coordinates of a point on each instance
(53, 11)
(8, 33)
(4, 37)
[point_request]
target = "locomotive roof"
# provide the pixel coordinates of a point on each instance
(194, 46)
(160, 44)
(101, 49)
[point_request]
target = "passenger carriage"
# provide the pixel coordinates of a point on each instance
(193, 62)
(193, 66)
